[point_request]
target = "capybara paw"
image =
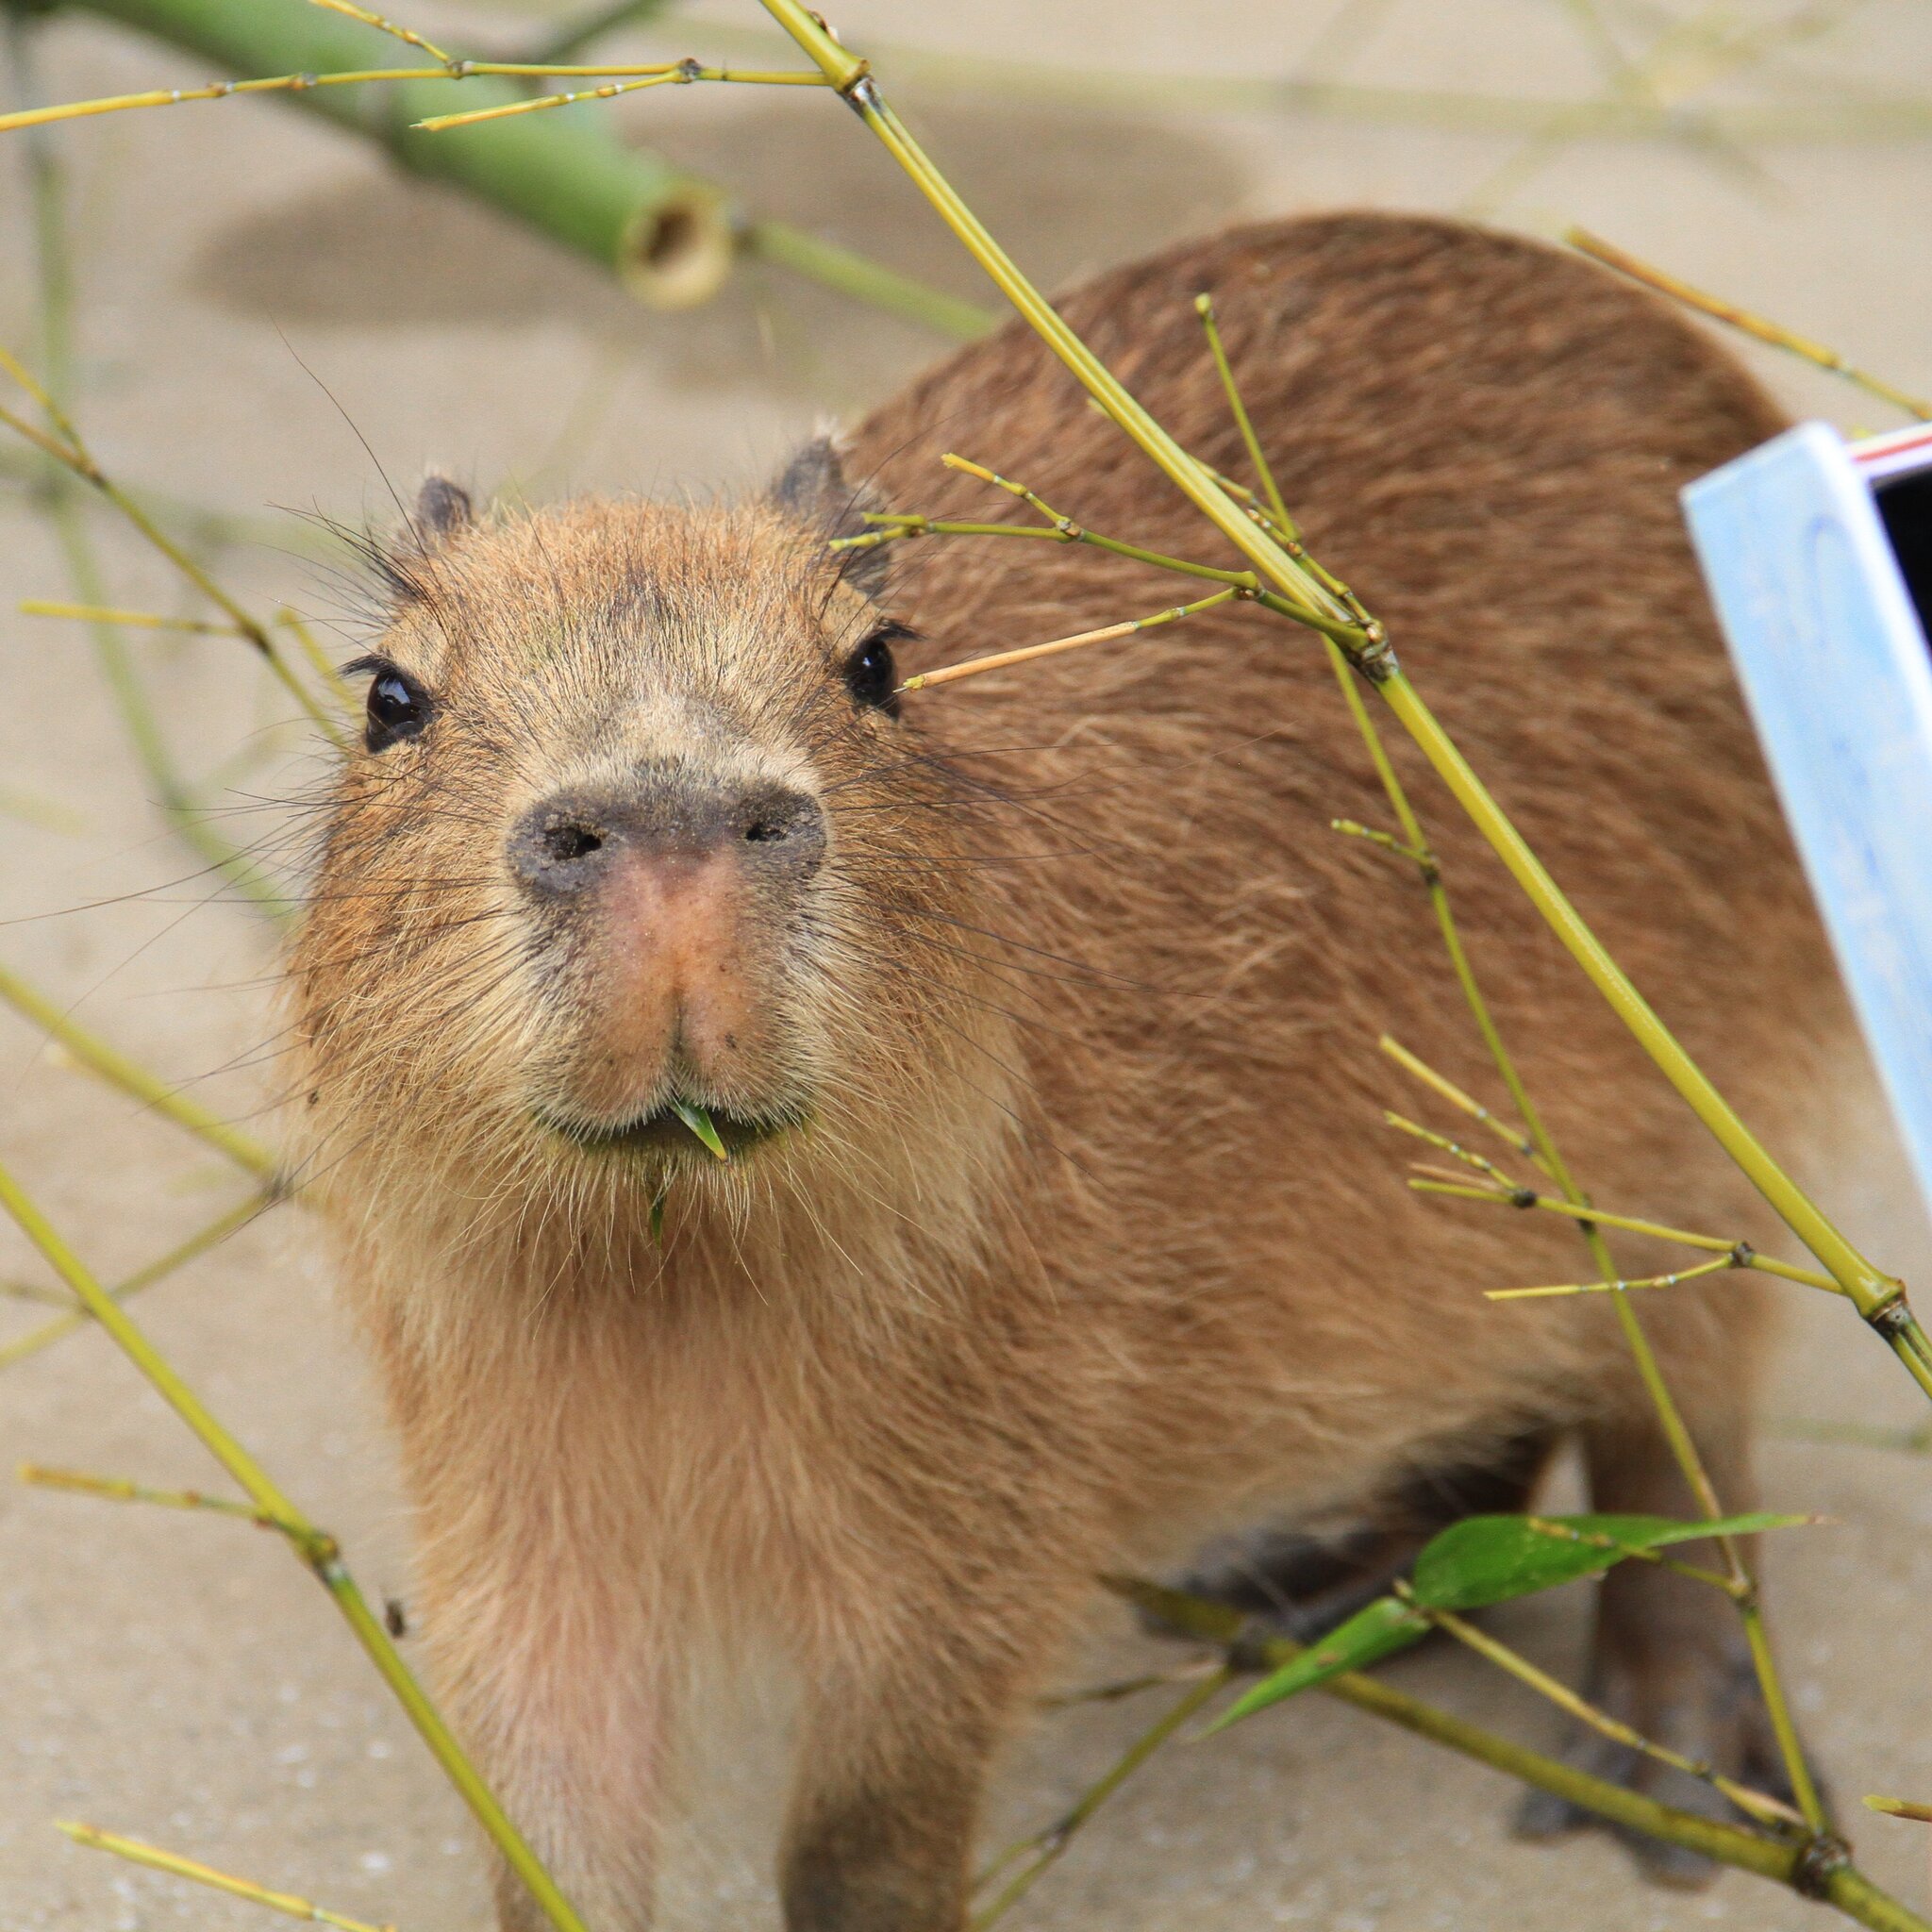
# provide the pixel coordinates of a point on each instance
(1710, 1713)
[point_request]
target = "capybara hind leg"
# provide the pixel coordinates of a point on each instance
(1301, 1584)
(1668, 1657)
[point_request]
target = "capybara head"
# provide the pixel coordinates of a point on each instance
(637, 840)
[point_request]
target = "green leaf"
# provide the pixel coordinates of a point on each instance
(1489, 1560)
(699, 1121)
(1386, 1625)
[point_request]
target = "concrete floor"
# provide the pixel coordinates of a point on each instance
(179, 1678)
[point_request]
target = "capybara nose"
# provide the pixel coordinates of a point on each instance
(568, 843)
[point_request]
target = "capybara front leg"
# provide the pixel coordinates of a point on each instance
(886, 1809)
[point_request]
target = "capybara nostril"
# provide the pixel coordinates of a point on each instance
(568, 843)
(780, 817)
(561, 846)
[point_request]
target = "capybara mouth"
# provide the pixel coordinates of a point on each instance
(680, 1129)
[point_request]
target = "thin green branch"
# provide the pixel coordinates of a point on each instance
(1620, 1286)
(1414, 843)
(113, 1066)
(1758, 326)
(1760, 1806)
(1203, 307)
(1714, 1243)
(1000, 661)
(1048, 1845)
(1914, 1441)
(57, 487)
(1811, 1868)
(119, 1489)
(1438, 1084)
(669, 237)
(178, 1257)
(138, 1853)
(1677, 1432)
(1810, 117)
(68, 448)
(316, 1548)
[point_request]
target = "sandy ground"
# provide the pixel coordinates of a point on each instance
(180, 1679)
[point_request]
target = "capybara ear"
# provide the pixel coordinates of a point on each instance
(444, 510)
(813, 488)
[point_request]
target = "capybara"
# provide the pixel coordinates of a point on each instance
(1060, 1231)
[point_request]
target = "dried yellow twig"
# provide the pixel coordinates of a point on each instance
(388, 27)
(1761, 1806)
(1439, 1084)
(198, 1243)
(139, 1854)
(999, 660)
(1757, 327)
(153, 1092)
(1468, 1156)
(1900, 1807)
(1617, 1286)
(1714, 1243)
(316, 1548)
(119, 1489)
(132, 620)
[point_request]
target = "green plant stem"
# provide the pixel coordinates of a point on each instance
(1311, 602)
(1285, 525)
(900, 528)
(1914, 1441)
(1796, 118)
(1683, 1445)
(135, 1080)
(669, 236)
(1677, 1432)
(169, 789)
(1758, 1805)
(55, 488)
(197, 523)
(319, 660)
(1049, 1844)
(1670, 1417)
(1590, 1211)
(1758, 326)
(119, 1489)
(863, 279)
(318, 1550)
(172, 1862)
(1831, 1878)
(198, 1243)
(1877, 1297)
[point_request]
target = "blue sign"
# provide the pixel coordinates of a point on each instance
(1805, 545)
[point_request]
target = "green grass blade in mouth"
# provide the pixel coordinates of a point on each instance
(699, 1121)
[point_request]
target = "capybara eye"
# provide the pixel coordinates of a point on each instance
(398, 708)
(871, 675)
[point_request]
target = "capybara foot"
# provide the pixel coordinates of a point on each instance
(1709, 1711)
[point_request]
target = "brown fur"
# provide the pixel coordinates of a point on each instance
(1096, 1244)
